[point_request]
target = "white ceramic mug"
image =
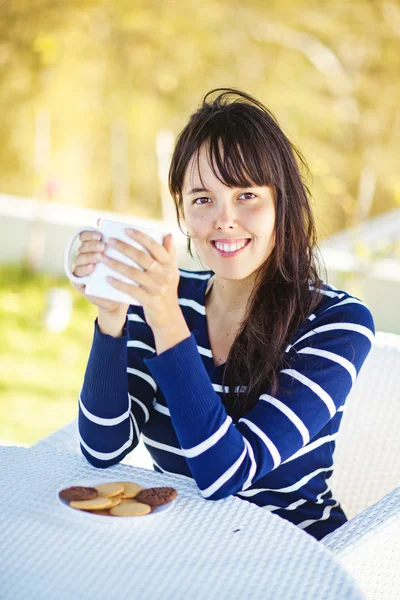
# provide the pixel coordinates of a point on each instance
(96, 282)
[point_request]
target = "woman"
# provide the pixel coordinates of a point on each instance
(235, 376)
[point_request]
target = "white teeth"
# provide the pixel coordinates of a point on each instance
(230, 247)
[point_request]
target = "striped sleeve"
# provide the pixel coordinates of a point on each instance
(226, 458)
(115, 399)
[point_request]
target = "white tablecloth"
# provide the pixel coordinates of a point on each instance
(199, 549)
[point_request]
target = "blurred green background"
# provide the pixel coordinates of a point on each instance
(40, 372)
(87, 88)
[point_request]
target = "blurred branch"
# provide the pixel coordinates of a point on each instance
(366, 192)
(391, 15)
(320, 56)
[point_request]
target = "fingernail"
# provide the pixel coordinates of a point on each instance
(98, 256)
(100, 246)
(112, 242)
(96, 236)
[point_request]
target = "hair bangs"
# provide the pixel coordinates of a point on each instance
(236, 160)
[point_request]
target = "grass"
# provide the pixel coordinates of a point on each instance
(41, 372)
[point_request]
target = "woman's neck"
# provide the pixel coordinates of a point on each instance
(228, 298)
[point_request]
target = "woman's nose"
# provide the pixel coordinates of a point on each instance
(226, 217)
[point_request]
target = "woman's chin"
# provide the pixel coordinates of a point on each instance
(230, 272)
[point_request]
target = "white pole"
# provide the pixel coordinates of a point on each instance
(164, 148)
(36, 239)
(120, 167)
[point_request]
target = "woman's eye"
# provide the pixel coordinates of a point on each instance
(196, 201)
(246, 195)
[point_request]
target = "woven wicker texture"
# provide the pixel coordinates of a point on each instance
(367, 455)
(368, 547)
(199, 549)
(66, 439)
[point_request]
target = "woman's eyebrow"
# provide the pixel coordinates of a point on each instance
(201, 190)
(197, 190)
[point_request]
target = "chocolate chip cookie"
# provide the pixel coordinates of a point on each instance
(156, 496)
(78, 492)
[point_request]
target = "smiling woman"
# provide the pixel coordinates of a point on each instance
(235, 376)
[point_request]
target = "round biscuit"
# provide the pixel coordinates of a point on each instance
(110, 489)
(128, 500)
(130, 489)
(115, 501)
(130, 509)
(95, 504)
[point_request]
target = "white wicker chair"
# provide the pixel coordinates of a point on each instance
(367, 455)
(368, 548)
(367, 466)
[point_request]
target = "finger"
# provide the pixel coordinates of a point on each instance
(133, 291)
(128, 271)
(92, 246)
(102, 302)
(79, 287)
(82, 270)
(86, 258)
(87, 235)
(139, 257)
(155, 249)
(169, 245)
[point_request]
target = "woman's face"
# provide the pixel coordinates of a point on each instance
(214, 212)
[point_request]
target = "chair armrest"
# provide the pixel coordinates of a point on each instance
(368, 547)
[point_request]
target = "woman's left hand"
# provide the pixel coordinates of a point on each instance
(158, 291)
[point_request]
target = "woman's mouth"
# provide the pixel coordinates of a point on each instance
(230, 250)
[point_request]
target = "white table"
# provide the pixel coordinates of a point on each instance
(199, 549)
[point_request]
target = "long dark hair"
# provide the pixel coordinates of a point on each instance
(246, 147)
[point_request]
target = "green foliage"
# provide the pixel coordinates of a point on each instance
(41, 372)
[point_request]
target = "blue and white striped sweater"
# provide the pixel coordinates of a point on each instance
(279, 455)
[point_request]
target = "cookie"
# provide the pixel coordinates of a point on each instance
(115, 501)
(109, 490)
(131, 489)
(156, 496)
(78, 492)
(130, 508)
(95, 504)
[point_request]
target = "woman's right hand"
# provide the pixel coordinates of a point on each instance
(85, 263)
